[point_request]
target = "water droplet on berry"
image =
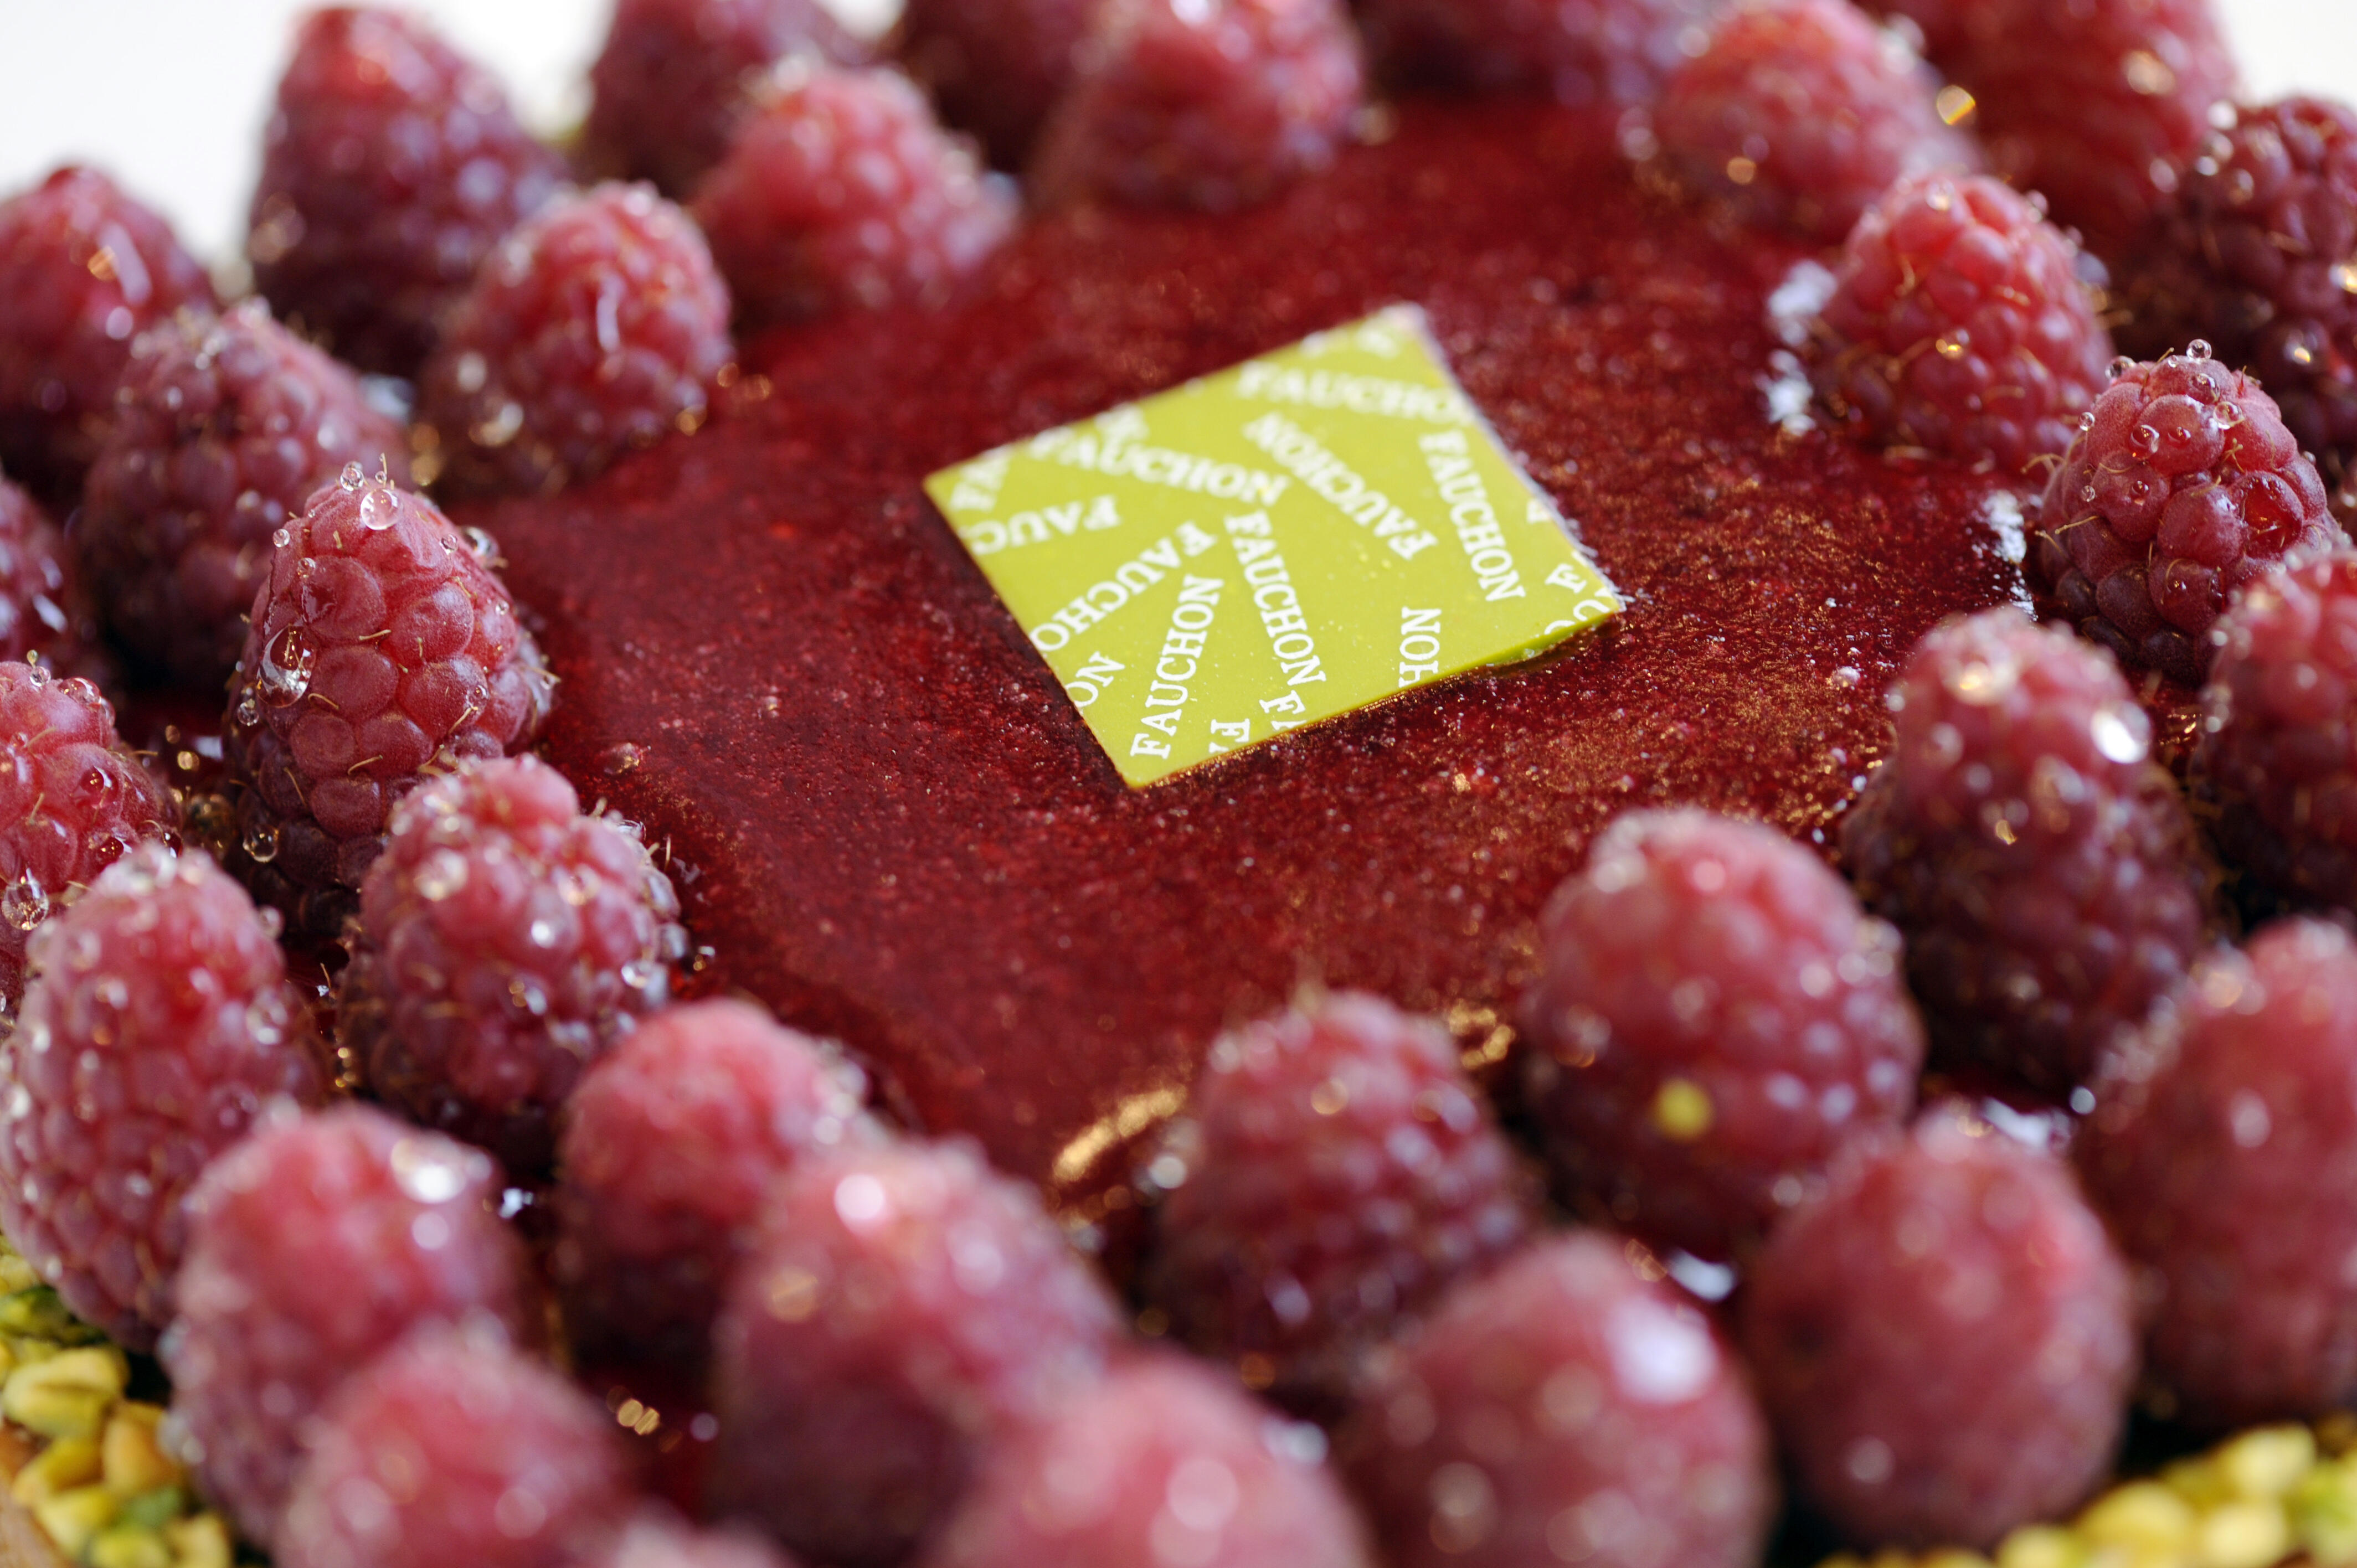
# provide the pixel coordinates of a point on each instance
(428, 1173)
(353, 478)
(2145, 441)
(2118, 368)
(2197, 350)
(480, 545)
(261, 843)
(249, 709)
(442, 873)
(286, 672)
(623, 757)
(23, 903)
(379, 511)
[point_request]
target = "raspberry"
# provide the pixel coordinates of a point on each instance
(383, 649)
(668, 1148)
(997, 70)
(504, 941)
(839, 191)
(44, 612)
(1944, 1340)
(670, 85)
(390, 167)
(2182, 485)
(653, 1539)
(312, 1245)
(1164, 1461)
(1962, 325)
(1714, 1017)
(1801, 113)
(223, 428)
(453, 1447)
(1212, 104)
(2223, 1150)
(1335, 1173)
(595, 327)
(1564, 1409)
(1583, 52)
(2043, 867)
(83, 268)
(903, 1311)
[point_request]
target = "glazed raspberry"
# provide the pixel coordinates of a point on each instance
(596, 326)
(994, 69)
(668, 1148)
(504, 943)
(2223, 1149)
(44, 611)
(1962, 325)
(654, 1540)
(1801, 113)
(313, 1245)
(454, 1448)
(1612, 52)
(904, 1310)
(223, 428)
(2043, 867)
(381, 651)
(390, 167)
(1163, 1461)
(84, 269)
(797, 233)
(1564, 1409)
(1213, 104)
(1335, 1171)
(2182, 485)
(1714, 1017)
(669, 86)
(1944, 1339)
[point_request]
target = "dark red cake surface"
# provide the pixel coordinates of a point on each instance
(886, 819)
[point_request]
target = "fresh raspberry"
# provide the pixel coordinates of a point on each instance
(392, 166)
(2043, 867)
(1335, 1171)
(840, 191)
(1944, 1340)
(223, 428)
(453, 1447)
(1963, 324)
(45, 612)
(654, 1540)
(1582, 52)
(1564, 1409)
(1163, 1461)
(313, 1245)
(668, 1148)
(2223, 1150)
(84, 269)
(383, 650)
(596, 326)
(1212, 104)
(1801, 113)
(904, 1310)
(1714, 1017)
(995, 69)
(671, 83)
(2182, 485)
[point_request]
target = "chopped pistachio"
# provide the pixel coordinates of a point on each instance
(130, 1546)
(2268, 1462)
(37, 1314)
(2142, 1515)
(2249, 1534)
(199, 1542)
(64, 1465)
(71, 1519)
(134, 1457)
(155, 1510)
(2324, 1514)
(2200, 1481)
(67, 1395)
(15, 1273)
(2041, 1546)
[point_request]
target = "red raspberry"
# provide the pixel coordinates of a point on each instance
(84, 269)
(1336, 1172)
(595, 327)
(904, 1310)
(2042, 865)
(2223, 1150)
(223, 428)
(1213, 104)
(1801, 113)
(995, 69)
(383, 650)
(654, 1540)
(1564, 1409)
(1714, 1017)
(1944, 1339)
(1582, 52)
(1163, 1461)
(839, 191)
(670, 85)
(44, 612)
(390, 167)
(455, 1448)
(314, 1244)
(668, 1148)
(1962, 325)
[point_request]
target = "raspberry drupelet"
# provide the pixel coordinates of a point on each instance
(1713, 1019)
(2044, 868)
(1580, 52)
(2182, 485)
(1563, 1408)
(1335, 1171)
(1962, 324)
(383, 649)
(223, 428)
(45, 609)
(995, 69)
(391, 167)
(1944, 1340)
